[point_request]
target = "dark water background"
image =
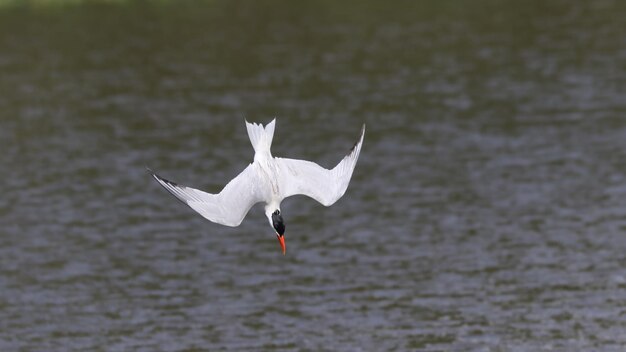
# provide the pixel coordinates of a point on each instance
(487, 211)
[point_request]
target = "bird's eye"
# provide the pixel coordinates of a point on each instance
(277, 212)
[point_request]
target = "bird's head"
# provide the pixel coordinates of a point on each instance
(276, 220)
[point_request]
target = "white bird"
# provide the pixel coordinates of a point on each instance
(269, 180)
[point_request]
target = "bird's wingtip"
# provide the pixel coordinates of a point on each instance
(152, 173)
(360, 140)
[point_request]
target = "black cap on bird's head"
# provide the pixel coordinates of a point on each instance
(279, 227)
(277, 222)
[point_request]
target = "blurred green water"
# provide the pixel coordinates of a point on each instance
(486, 212)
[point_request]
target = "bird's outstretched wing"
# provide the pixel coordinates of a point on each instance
(323, 185)
(229, 207)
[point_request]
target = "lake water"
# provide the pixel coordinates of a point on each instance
(487, 211)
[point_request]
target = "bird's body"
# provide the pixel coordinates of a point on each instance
(269, 180)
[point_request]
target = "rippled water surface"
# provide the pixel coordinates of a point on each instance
(487, 211)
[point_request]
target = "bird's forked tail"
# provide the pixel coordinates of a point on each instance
(261, 137)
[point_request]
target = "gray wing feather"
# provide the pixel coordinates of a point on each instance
(229, 207)
(323, 185)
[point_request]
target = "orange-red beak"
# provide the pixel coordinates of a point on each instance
(281, 239)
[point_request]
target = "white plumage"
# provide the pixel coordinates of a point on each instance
(269, 180)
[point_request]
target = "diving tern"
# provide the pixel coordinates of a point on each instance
(268, 180)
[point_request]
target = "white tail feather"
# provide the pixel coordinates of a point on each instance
(261, 137)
